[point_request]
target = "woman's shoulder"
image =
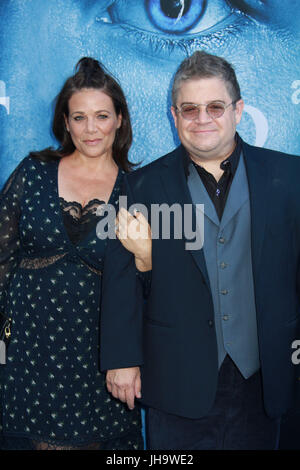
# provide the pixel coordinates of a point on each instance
(46, 156)
(18, 177)
(33, 165)
(19, 170)
(29, 170)
(41, 162)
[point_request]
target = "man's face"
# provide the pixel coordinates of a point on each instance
(207, 138)
(41, 41)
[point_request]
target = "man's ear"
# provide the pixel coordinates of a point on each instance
(174, 114)
(239, 108)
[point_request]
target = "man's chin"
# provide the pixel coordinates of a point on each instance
(205, 142)
(206, 151)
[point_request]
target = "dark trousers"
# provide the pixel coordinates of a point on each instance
(237, 420)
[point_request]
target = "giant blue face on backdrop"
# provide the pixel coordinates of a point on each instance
(142, 43)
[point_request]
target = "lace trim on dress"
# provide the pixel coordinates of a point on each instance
(47, 446)
(86, 215)
(37, 263)
(80, 221)
(91, 268)
(79, 213)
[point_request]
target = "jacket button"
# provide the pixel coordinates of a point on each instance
(210, 323)
(224, 291)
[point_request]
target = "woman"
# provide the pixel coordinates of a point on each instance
(51, 260)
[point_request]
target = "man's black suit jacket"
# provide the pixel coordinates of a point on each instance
(173, 336)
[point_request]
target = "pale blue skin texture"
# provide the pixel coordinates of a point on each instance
(41, 41)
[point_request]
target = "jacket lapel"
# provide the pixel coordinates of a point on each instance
(238, 194)
(175, 186)
(200, 195)
(176, 189)
(259, 189)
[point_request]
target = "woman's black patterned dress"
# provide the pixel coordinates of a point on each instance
(52, 393)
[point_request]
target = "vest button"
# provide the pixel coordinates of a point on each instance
(225, 317)
(224, 291)
(221, 240)
(223, 265)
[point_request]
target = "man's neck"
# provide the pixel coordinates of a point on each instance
(212, 165)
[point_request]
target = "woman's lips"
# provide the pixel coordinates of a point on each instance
(92, 141)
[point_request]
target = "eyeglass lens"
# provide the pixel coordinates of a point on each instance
(191, 111)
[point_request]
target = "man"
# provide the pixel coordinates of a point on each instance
(220, 321)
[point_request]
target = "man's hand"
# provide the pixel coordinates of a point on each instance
(124, 384)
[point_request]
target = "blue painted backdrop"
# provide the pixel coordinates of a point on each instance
(142, 43)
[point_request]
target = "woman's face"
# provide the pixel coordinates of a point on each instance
(92, 123)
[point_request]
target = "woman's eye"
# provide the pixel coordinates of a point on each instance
(77, 118)
(102, 116)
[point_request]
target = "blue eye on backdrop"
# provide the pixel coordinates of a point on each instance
(168, 27)
(172, 18)
(175, 16)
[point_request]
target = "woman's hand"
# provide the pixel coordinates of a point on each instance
(134, 233)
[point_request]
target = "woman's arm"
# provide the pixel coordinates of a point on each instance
(10, 200)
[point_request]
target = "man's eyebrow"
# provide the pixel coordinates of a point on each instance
(204, 104)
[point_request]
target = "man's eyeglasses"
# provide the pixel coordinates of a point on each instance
(215, 109)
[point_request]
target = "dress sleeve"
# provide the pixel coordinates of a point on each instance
(10, 201)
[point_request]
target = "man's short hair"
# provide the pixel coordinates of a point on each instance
(204, 65)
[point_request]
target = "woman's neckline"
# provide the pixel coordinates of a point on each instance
(76, 203)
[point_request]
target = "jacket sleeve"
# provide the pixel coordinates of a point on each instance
(122, 303)
(10, 203)
(144, 277)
